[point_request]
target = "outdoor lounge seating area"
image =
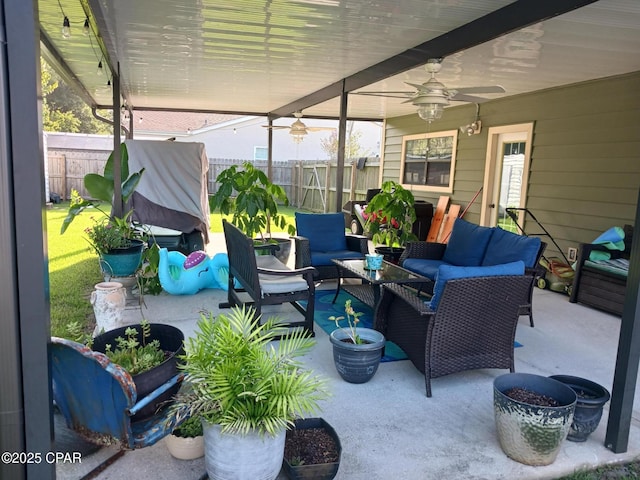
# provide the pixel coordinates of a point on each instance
(430, 437)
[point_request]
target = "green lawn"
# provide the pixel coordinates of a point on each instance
(74, 270)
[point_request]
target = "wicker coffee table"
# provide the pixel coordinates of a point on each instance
(369, 291)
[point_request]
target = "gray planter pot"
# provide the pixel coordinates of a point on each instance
(357, 363)
(235, 456)
(591, 399)
(532, 434)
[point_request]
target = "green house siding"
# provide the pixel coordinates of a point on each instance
(585, 161)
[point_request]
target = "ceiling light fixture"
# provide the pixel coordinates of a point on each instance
(432, 96)
(298, 130)
(66, 27)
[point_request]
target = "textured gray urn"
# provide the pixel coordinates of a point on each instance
(357, 363)
(591, 400)
(532, 434)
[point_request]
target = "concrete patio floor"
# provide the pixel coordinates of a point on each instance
(390, 429)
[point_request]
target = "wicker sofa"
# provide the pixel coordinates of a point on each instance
(602, 284)
(474, 245)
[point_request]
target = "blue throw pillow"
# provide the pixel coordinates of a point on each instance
(467, 244)
(325, 231)
(506, 247)
(450, 272)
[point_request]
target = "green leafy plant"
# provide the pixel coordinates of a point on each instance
(237, 379)
(133, 355)
(353, 318)
(102, 187)
(190, 428)
(390, 215)
(255, 205)
(109, 234)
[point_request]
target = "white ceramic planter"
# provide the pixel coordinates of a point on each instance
(108, 300)
(242, 456)
(184, 448)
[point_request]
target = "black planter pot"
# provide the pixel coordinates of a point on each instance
(591, 399)
(171, 340)
(532, 434)
(390, 254)
(319, 471)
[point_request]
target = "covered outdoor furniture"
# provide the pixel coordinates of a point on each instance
(266, 280)
(470, 325)
(98, 398)
(322, 237)
(601, 274)
(473, 245)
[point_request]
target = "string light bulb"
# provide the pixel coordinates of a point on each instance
(100, 71)
(66, 27)
(85, 28)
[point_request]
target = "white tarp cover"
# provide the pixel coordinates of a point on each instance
(175, 175)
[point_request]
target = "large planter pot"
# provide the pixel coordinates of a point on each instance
(311, 438)
(185, 448)
(591, 400)
(171, 341)
(122, 262)
(235, 456)
(528, 433)
(357, 363)
(390, 254)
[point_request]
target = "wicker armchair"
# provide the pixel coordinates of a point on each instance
(473, 326)
(322, 237)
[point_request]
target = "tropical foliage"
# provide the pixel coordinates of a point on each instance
(240, 381)
(254, 208)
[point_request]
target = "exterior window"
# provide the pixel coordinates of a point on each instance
(260, 153)
(428, 161)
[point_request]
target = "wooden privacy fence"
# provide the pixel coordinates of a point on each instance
(310, 185)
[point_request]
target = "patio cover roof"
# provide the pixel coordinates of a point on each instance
(274, 57)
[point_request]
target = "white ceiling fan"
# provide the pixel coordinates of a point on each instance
(298, 129)
(432, 96)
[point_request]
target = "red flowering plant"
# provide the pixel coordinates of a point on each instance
(390, 215)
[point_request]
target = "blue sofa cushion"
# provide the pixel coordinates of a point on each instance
(506, 247)
(325, 231)
(319, 259)
(423, 266)
(450, 272)
(467, 244)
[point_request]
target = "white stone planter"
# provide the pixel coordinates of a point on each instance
(242, 456)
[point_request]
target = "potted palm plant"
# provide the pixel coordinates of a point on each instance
(390, 218)
(247, 391)
(254, 208)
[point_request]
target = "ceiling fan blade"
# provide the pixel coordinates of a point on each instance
(460, 97)
(275, 127)
(486, 89)
(385, 94)
(319, 129)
